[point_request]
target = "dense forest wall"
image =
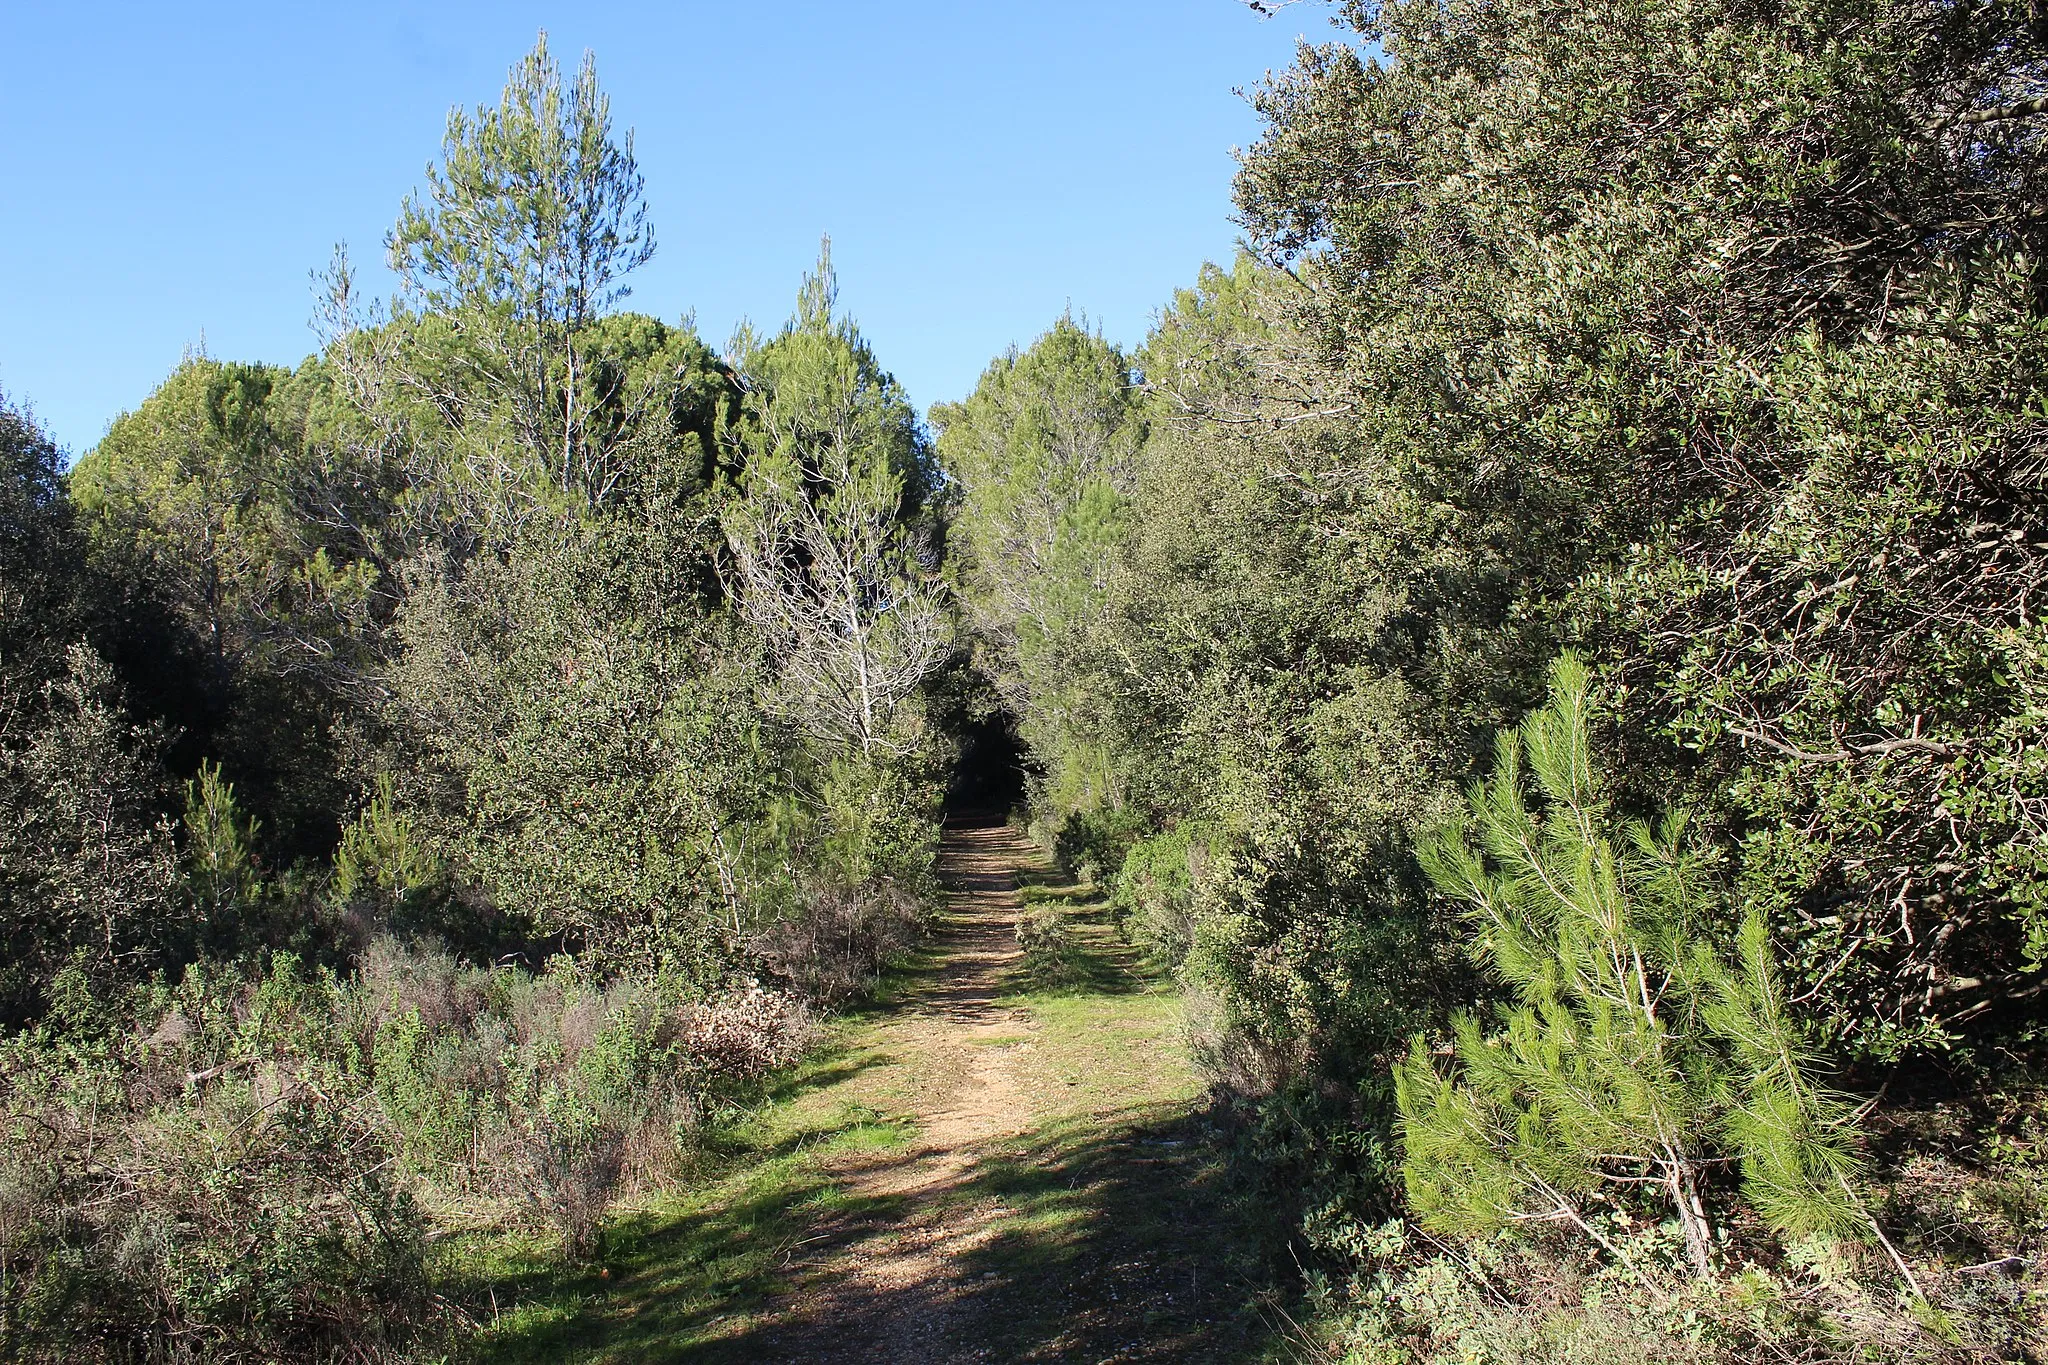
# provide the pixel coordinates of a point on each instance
(1676, 366)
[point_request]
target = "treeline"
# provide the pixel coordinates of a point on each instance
(445, 775)
(1549, 646)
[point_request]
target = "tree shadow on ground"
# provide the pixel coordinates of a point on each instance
(664, 1275)
(1098, 960)
(1119, 1241)
(1108, 1234)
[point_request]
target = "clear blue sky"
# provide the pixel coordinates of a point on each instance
(175, 171)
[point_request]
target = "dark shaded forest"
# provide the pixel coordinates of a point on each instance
(1546, 649)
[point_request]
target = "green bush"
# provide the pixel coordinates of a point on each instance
(218, 1186)
(1154, 891)
(842, 883)
(878, 823)
(1092, 844)
(1645, 1050)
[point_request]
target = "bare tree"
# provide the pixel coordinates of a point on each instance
(829, 560)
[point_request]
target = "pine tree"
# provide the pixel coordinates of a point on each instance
(830, 554)
(1644, 1051)
(502, 380)
(1045, 455)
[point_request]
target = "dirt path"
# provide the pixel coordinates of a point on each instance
(898, 1288)
(1009, 1161)
(1052, 1202)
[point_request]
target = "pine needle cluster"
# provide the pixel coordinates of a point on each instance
(1650, 1048)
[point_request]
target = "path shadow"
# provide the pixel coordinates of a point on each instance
(1101, 1236)
(1106, 1236)
(1098, 959)
(662, 1281)
(1119, 1240)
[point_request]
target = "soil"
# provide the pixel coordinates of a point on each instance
(1054, 1201)
(1009, 1158)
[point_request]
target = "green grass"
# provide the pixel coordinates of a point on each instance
(678, 1273)
(1112, 1226)
(1096, 960)
(1123, 1218)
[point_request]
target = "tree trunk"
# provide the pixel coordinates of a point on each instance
(1692, 1217)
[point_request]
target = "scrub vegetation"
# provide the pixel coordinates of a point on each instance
(1519, 711)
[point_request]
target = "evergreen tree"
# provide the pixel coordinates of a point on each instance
(1643, 1049)
(556, 737)
(212, 503)
(1263, 693)
(41, 602)
(533, 219)
(830, 536)
(503, 386)
(1044, 452)
(1715, 331)
(88, 873)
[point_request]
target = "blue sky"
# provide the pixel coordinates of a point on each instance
(174, 172)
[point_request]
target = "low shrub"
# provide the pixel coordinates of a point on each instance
(218, 1187)
(1541, 1301)
(1154, 892)
(246, 1166)
(607, 1087)
(1052, 955)
(1955, 1165)
(833, 947)
(555, 1091)
(733, 1039)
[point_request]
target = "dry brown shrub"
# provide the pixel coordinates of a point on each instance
(746, 1034)
(835, 948)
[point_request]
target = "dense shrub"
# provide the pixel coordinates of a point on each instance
(246, 1166)
(1155, 888)
(1045, 933)
(834, 946)
(1092, 843)
(217, 1185)
(844, 883)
